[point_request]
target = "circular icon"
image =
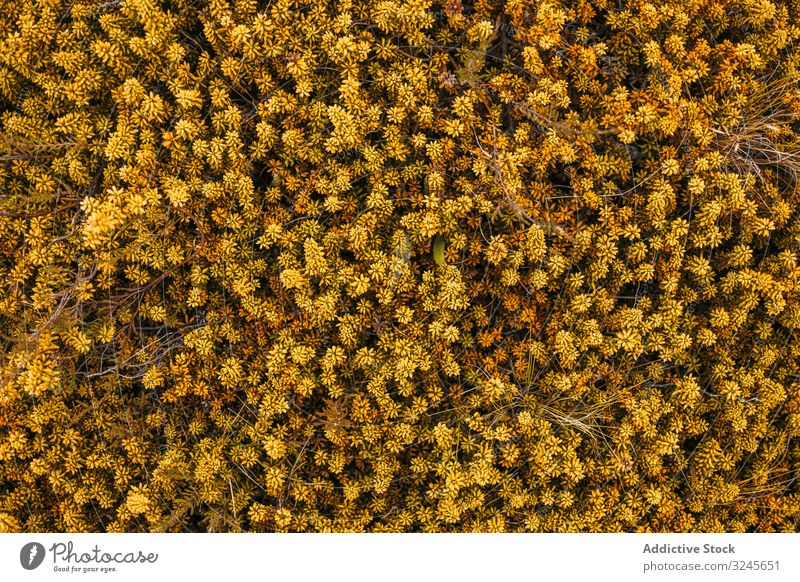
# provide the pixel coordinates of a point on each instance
(31, 555)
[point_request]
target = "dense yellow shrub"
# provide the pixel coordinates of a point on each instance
(395, 265)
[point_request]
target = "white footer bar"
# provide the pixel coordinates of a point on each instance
(437, 557)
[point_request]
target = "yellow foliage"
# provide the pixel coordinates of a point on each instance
(399, 265)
